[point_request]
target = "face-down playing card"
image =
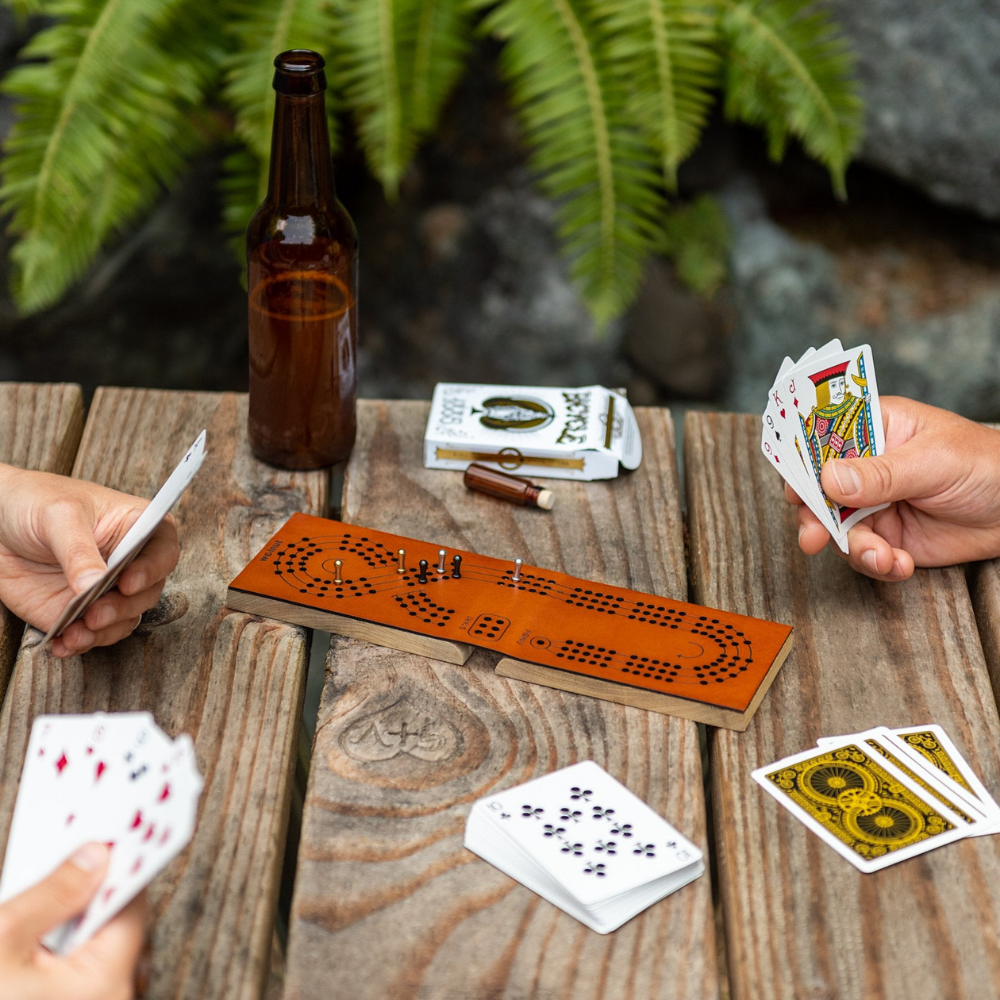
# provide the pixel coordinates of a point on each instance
(860, 804)
(135, 538)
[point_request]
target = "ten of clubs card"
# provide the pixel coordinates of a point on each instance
(584, 842)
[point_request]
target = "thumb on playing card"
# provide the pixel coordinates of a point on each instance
(69, 533)
(57, 898)
(902, 474)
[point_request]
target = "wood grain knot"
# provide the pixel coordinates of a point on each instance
(169, 609)
(401, 728)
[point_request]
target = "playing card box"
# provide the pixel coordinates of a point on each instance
(543, 432)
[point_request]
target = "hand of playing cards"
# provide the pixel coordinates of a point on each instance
(584, 842)
(883, 795)
(117, 779)
(823, 406)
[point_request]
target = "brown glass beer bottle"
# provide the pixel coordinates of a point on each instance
(302, 281)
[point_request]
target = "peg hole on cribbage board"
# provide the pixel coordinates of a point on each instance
(561, 631)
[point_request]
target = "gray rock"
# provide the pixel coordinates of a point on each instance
(931, 78)
(675, 336)
(791, 295)
(491, 301)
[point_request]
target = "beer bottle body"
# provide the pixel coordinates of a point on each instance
(302, 283)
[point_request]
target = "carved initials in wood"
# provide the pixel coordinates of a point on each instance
(402, 728)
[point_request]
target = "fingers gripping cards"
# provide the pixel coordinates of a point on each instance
(822, 407)
(113, 778)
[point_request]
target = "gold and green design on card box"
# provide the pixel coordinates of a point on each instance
(929, 746)
(859, 802)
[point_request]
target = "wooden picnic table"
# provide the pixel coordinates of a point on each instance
(387, 903)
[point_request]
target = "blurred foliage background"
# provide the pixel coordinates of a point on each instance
(114, 98)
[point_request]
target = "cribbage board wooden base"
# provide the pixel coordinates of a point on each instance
(352, 628)
(608, 642)
(665, 704)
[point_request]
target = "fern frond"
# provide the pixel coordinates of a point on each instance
(443, 30)
(572, 102)
(397, 62)
(261, 30)
(697, 237)
(789, 71)
(668, 50)
(374, 59)
(90, 148)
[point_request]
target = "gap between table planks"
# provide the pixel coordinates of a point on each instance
(233, 682)
(800, 921)
(40, 427)
(387, 901)
(984, 586)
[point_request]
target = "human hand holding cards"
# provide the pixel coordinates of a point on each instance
(114, 779)
(883, 795)
(824, 406)
(584, 842)
(54, 533)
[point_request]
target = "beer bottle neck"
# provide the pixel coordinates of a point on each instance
(301, 174)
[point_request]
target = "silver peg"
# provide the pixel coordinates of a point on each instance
(441, 555)
(518, 563)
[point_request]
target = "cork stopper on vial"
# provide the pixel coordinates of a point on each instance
(513, 489)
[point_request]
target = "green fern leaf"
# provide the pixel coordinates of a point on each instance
(262, 29)
(396, 63)
(668, 50)
(107, 114)
(374, 59)
(572, 101)
(443, 30)
(789, 71)
(697, 237)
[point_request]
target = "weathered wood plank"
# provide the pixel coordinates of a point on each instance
(234, 682)
(800, 921)
(387, 901)
(40, 427)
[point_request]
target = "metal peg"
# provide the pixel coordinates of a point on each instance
(422, 578)
(456, 567)
(337, 567)
(401, 556)
(441, 555)
(518, 563)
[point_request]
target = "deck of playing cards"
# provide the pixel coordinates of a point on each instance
(883, 795)
(823, 406)
(584, 842)
(117, 779)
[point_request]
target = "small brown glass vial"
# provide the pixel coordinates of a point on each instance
(511, 488)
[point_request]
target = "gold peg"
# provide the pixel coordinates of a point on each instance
(337, 567)
(401, 555)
